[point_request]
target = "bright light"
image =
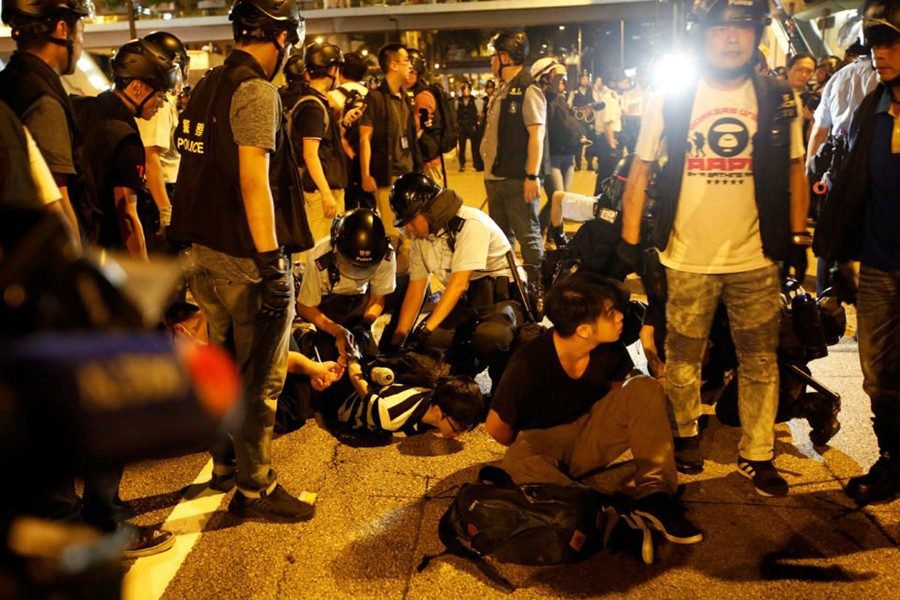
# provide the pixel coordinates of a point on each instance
(320, 39)
(365, 52)
(674, 71)
(562, 27)
(437, 65)
(167, 16)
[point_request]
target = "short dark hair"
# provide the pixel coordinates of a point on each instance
(387, 54)
(459, 398)
(355, 66)
(581, 298)
(793, 60)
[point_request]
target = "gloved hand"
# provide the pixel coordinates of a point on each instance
(276, 284)
(627, 259)
(797, 262)
(362, 334)
(165, 218)
(416, 342)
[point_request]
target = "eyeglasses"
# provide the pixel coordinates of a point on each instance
(454, 427)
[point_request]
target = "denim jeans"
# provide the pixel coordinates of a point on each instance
(516, 218)
(229, 292)
(753, 303)
(878, 315)
(562, 170)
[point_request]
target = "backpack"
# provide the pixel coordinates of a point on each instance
(532, 524)
(445, 134)
(352, 99)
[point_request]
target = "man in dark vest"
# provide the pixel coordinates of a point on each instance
(241, 216)
(863, 227)
(515, 149)
(142, 74)
(724, 217)
(49, 36)
(426, 103)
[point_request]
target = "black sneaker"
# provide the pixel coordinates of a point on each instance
(764, 476)
(880, 484)
(688, 456)
(148, 541)
(277, 506)
(665, 514)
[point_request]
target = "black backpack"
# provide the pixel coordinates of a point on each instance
(443, 136)
(534, 524)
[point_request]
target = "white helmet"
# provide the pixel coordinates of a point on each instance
(546, 66)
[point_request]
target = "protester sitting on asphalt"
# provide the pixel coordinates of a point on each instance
(568, 405)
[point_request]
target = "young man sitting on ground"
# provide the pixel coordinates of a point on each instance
(566, 406)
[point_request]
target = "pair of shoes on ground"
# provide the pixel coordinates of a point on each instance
(766, 479)
(880, 484)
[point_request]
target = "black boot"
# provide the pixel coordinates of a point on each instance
(821, 412)
(880, 484)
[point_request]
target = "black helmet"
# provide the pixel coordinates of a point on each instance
(830, 63)
(319, 57)
(294, 68)
(417, 61)
(708, 13)
(514, 43)
(881, 23)
(173, 48)
(410, 195)
(359, 237)
(265, 19)
(142, 60)
(29, 18)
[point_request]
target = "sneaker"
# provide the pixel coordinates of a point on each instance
(688, 456)
(764, 476)
(665, 514)
(880, 484)
(149, 541)
(276, 506)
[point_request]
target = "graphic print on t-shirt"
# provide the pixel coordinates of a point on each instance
(720, 146)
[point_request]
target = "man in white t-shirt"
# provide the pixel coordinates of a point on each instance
(732, 202)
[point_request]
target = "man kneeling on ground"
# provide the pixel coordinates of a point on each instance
(567, 407)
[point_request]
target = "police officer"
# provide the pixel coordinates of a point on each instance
(345, 283)
(231, 146)
(142, 75)
(49, 36)
(476, 319)
(724, 215)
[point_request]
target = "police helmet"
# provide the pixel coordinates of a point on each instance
(881, 24)
(145, 61)
(514, 43)
(294, 69)
(173, 48)
(359, 238)
(709, 13)
(265, 19)
(417, 61)
(410, 195)
(546, 66)
(319, 57)
(38, 17)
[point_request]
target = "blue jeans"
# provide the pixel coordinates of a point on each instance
(753, 303)
(878, 315)
(229, 292)
(517, 219)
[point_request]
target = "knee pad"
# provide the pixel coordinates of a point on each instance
(682, 348)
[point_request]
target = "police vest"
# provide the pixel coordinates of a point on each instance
(381, 162)
(208, 207)
(771, 163)
(17, 188)
(512, 135)
(24, 80)
(110, 122)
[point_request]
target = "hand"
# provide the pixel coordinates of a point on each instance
(329, 205)
(345, 344)
(328, 373)
(797, 260)
(353, 115)
(369, 184)
(627, 258)
(277, 285)
(416, 342)
(532, 190)
(165, 218)
(362, 335)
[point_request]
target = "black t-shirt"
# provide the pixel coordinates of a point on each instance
(309, 122)
(536, 393)
(127, 169)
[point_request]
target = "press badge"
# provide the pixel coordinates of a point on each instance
(404, 142)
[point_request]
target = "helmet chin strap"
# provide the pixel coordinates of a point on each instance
(280, 63)
(138, 108)
(70, 53)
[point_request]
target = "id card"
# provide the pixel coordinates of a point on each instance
(404, 142)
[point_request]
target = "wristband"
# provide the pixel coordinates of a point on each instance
(802, 238)
(531, 177)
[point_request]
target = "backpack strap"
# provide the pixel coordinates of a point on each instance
(292, 113)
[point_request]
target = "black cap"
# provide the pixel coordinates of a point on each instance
(881, 23)
(145, 61)
(410, 195)
(294, 68)
(40, 14)
(417, 61)
(319, 57)
(708, 13)
(265, 19)
(514, 43)
(173, 48)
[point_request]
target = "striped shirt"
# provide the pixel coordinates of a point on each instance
(396, 408)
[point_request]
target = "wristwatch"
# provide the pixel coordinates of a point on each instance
(531, 177)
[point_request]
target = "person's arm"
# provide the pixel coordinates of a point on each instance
(533, 166)
(365, 158)
(456, 287)
(129, 223)
(817, 137)
(358, 379)
(634, 199)
(259, 208)
(648, 343)
(321, 375)
(317, 174)
(499, 430)
(412, 303)
(374, 308)
(342, 337)
(799, 196)
(556, 217)
(157, 184)
(65, 209)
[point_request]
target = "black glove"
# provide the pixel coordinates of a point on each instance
(797, 260)
(276, 284)
(627, 259)
(362, 334)
(418, 339)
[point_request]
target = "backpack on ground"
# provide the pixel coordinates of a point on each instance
(534, 524)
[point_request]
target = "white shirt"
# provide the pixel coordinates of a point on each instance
(159, 131)
(480, 246)
(843, 93)
(716, 223)
(339, 99)
(316, 282)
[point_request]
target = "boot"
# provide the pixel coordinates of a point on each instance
(821, 412)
